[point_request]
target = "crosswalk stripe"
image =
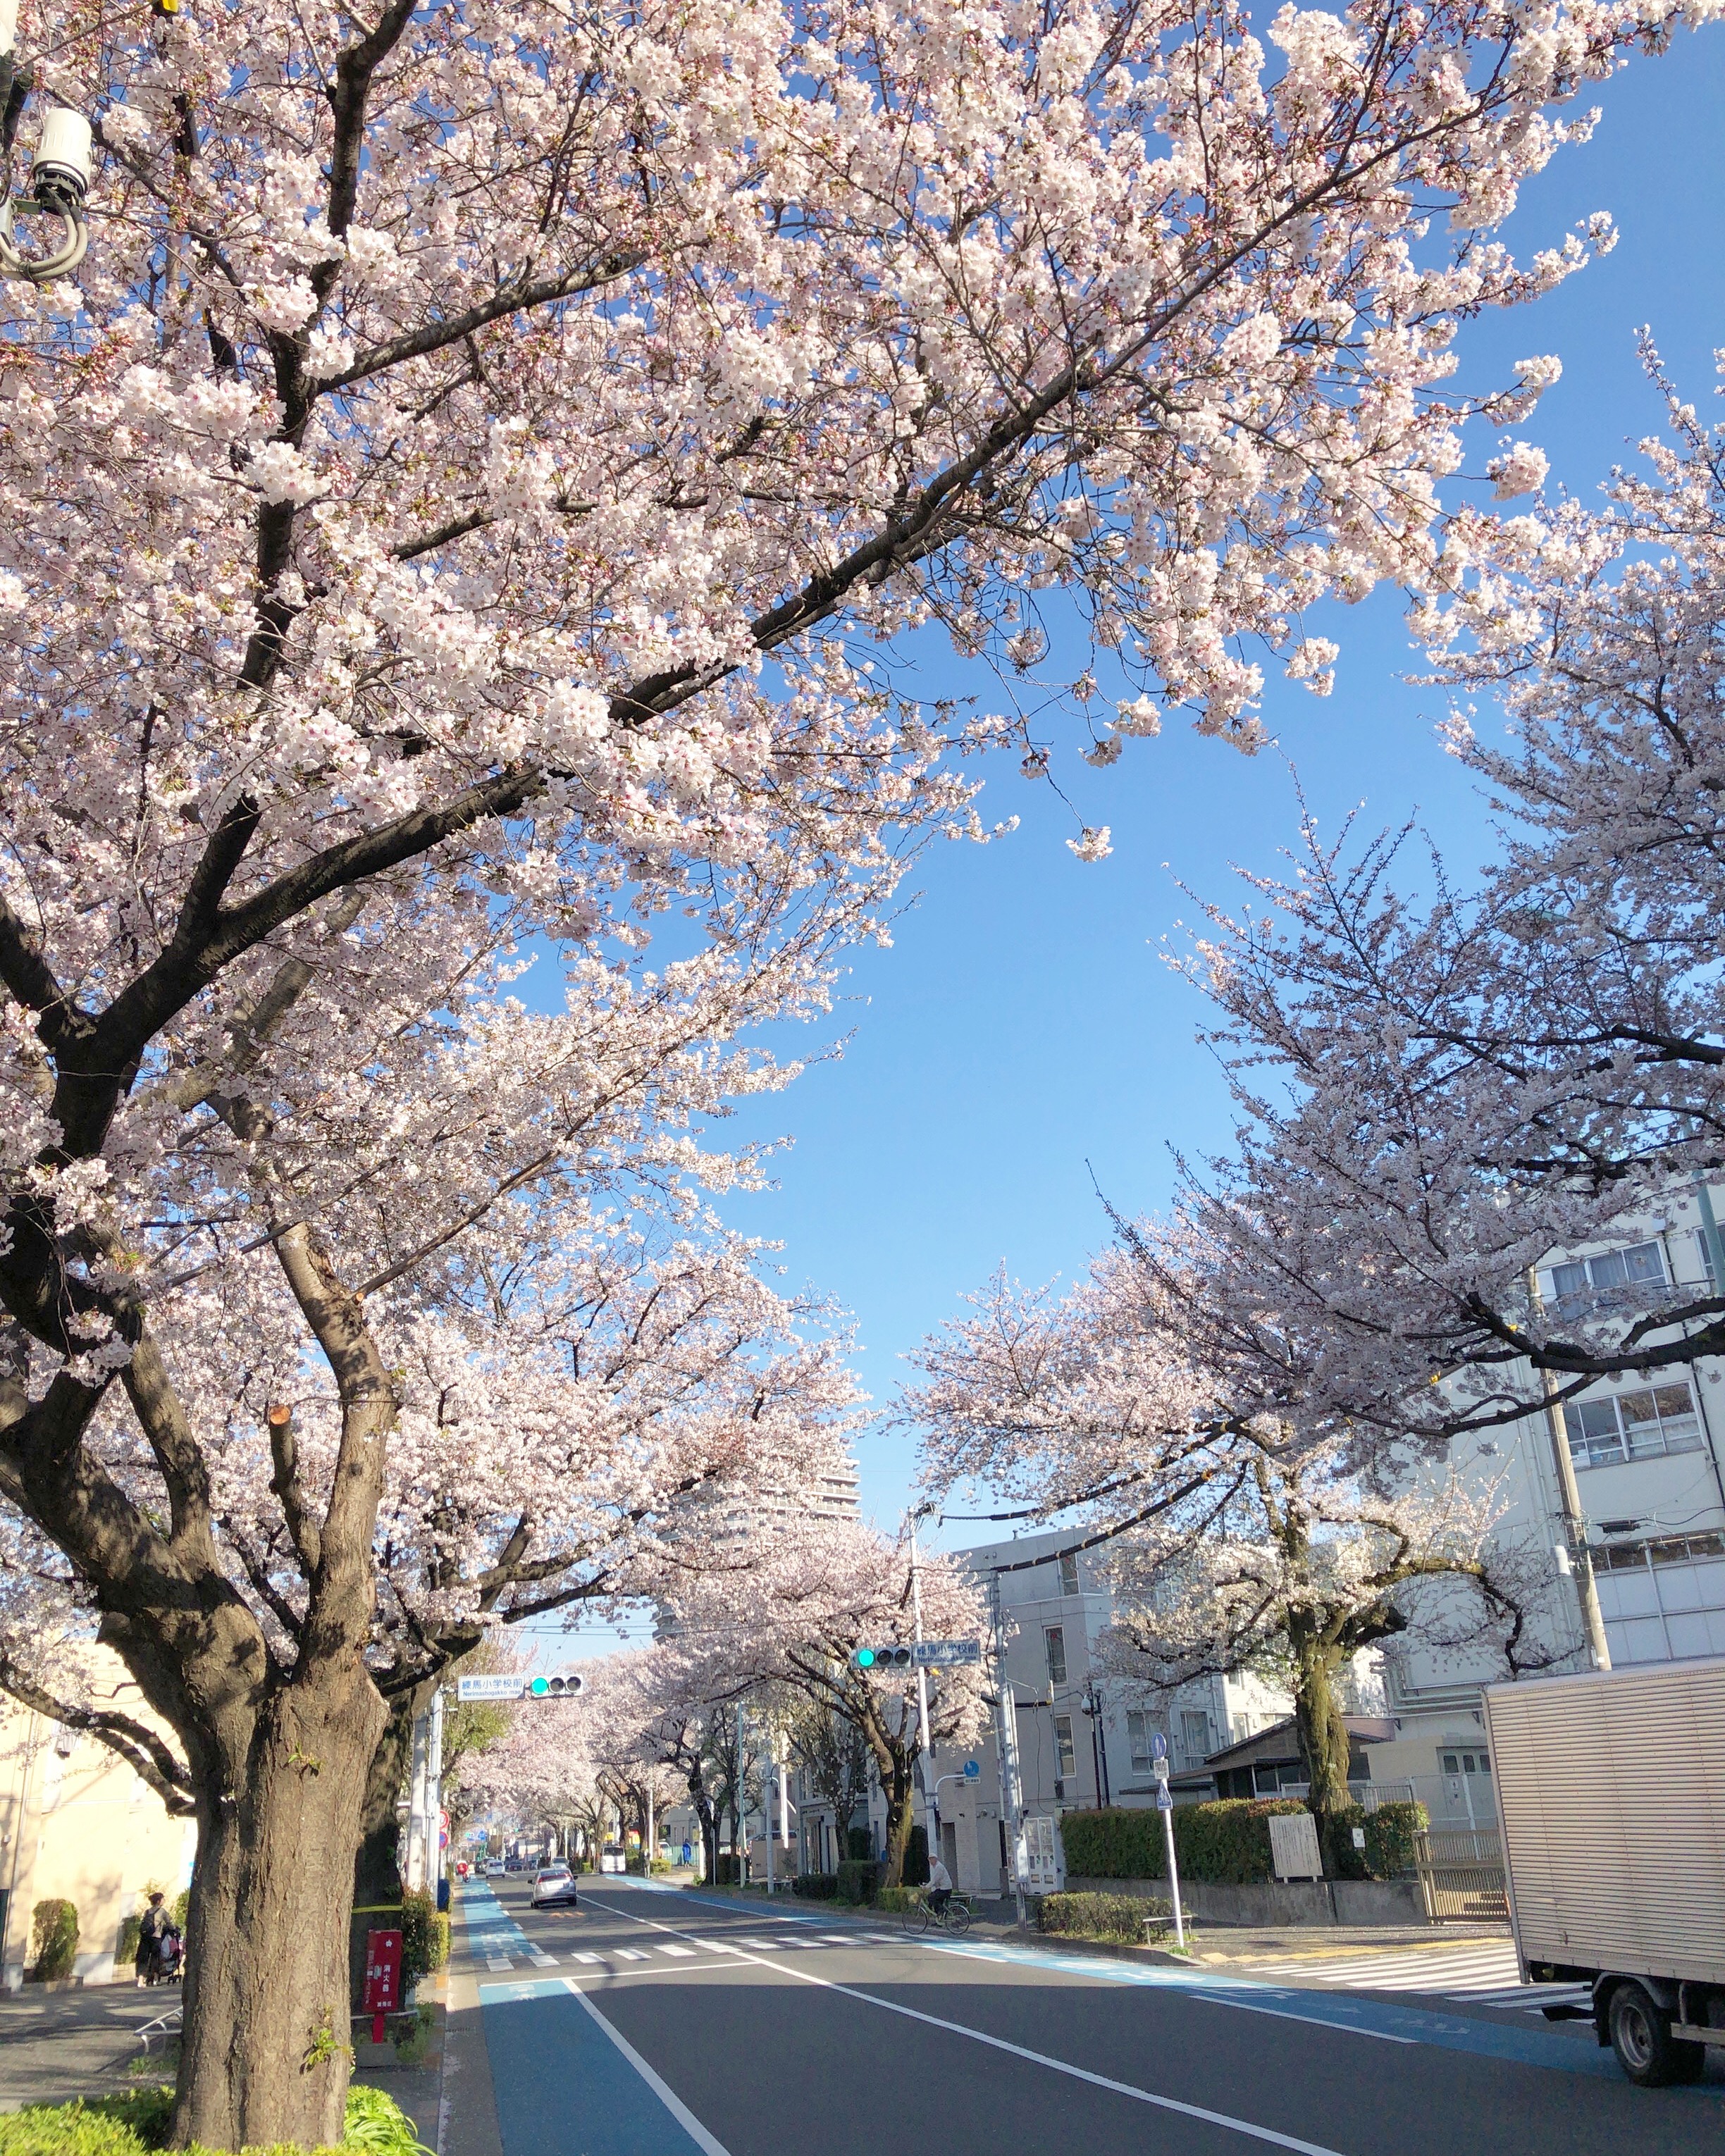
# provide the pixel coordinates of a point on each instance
(629, 1954)
(499, 1961)
(837, 1938)
(592, 1960)
(541, 1960)
(686, 1953)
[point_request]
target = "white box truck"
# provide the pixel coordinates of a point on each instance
(1611, 1793)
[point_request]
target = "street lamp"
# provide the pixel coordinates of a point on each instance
(60, 174)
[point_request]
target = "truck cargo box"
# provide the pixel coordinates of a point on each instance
(1610, 1792)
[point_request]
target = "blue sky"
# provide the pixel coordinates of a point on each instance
(1026, 1023)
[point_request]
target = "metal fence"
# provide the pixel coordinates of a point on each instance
(1461, 1871)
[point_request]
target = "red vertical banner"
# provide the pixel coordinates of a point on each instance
(382, 1987)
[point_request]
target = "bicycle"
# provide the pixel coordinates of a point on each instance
(955, 1917)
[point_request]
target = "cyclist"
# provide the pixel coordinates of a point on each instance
(940, 1887)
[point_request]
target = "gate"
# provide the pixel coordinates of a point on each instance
(1461, 1873)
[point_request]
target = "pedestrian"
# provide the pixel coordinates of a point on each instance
(940, 1887)
(154, 1928)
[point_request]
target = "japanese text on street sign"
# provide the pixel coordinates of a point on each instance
(945, 1654)
(382, 1985)
(503, 1687)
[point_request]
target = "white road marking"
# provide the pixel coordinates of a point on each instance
(499, 1961)
(688, 1951)
(1243, 2125)
(667, 2095)
(540, 1959)
(592, 1960)
(629, 1954)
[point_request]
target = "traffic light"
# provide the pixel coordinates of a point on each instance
(554, 1688)
(882, 1658)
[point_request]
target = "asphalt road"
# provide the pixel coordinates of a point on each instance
(654, 2023)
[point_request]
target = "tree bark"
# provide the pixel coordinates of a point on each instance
(264, 2054)
(1318, 1722)
(377, 1866)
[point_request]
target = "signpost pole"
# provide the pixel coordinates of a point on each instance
(1165, 1805)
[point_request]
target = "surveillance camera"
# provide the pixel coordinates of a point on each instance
(60, 174)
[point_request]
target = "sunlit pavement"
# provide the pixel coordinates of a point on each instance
(656, 2022)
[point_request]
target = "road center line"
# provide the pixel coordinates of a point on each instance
(999, 2044)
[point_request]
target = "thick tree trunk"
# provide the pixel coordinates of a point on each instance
(1319, 1724)
(264, 2054)
(377, 1868)
(899, 1823)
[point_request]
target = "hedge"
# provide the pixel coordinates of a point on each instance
(1099, 1916)
(1228, 1841)
(424, 1935)
(727, 1871)
(139, 2120)
(859, 1845)
(54, 1932)
(857, 1882)
(816, 1885)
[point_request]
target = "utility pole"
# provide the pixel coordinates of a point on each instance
(1092, 1706)
(739, 1844)
(1006, 1750)
(1575, 1558)
(434, 1800)
(931, 1821)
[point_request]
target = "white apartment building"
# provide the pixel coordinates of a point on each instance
(1081, 1742)
(1648, 1452)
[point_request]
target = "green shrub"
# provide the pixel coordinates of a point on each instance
(132, 2124)
(1099, 1916)
(53, 1935)
(1113, 1844)
(1228, 1841)
(377, 2124)
(126, 1949)
(728, 1870)
(916, 1857)
(897, 1899)
(424, 1936)
(857, 1882)
(859, 1845)
(181, 1910)
(1389, 1838)
(816, 1885)
(411, 2037)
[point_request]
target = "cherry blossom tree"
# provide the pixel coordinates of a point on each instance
(453, 510)
(1439, 1100)
(1234, 1532)
(783, 1622)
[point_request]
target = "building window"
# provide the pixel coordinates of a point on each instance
(1195, 1735)
(1669, 1549)
(1069, 1571)
(1139, 1730)
(1637, 1425)
(1065, 1758)
(1467, 1762)
(1054, 1640)
(1614, 1276)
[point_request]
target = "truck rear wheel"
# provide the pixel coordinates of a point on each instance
(1647, 2050)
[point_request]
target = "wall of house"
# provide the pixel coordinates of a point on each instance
(80, 1826)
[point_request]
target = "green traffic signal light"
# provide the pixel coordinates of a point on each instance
(539, 1687)
(865, 1658)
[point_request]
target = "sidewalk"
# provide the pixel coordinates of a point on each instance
(55, 2045)
(466, 2121)
(1220, 1945)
